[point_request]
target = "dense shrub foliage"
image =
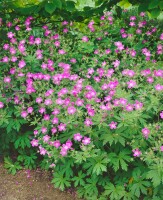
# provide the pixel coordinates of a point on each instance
(93, 93)
(78, 9)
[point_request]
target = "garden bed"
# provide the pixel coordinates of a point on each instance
(29, 185)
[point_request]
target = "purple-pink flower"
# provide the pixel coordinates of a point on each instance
(78, 137)
(34, 143)
(86, 141)
(136, 153)
(146, 132)
(1, 104)
(113, 125)
(161, 115)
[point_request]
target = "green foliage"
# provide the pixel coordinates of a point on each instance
(120, 160)
(72, 9)
(156, 173)
(114, 192)
(23, 141)
(10, 166)
(107, 167)
(60, 181)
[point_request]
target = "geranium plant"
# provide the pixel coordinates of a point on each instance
(94, 94)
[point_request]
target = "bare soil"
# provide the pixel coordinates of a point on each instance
(30, 185)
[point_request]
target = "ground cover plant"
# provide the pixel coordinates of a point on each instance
(92, 93)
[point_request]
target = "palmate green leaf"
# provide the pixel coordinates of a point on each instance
(129, 196)
(79, 180)
(10, 166)
(91, 187)
(66, 167)
(114, 192)
(98, 168)
(156, 173)
(140, 187)
(103, 180)
(120, 160)
(28, 161)
(112, 138)
(23, 141)
(60, 181)
(96, 165)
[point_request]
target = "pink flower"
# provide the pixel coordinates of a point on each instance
(138, 105)
(44, 130)
(161, 36)
(57, 43)
(55, 120)
(161, 148)
(48, 102)
(35, 132)
(73, 60)
(79, 102)
(56, 111)
(34, 143)
(10, 35)
(113, 125)
(29, 109)
(131, 84)
(46, 138)
(71, 110)
(86, 141)
(77, 137)
(46, 117)
(69, 144)
(88, 122)
(136, 152)
(123, 101)
(24, 114)
(161, 115)
(146, 132)
(129, 108)
(159, 87)
(133, 18)
(13, 59)
(63, 152)
(142, 14)
(133, 53)
(107, 51)
(85, 39)
(150, 79)
(62, 127)
(38, 41)
(57, 144)
(54, 130)
(7, 79)
(1, 104)
(132, 23)
(61, 51)
(42, 110)
(38, 100)
(42, 150)
(21, 64)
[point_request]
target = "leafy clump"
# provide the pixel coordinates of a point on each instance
(92, 93)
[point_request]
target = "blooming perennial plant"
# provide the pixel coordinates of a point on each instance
(94, 95)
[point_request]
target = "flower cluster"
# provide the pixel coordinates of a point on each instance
(105, 79)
